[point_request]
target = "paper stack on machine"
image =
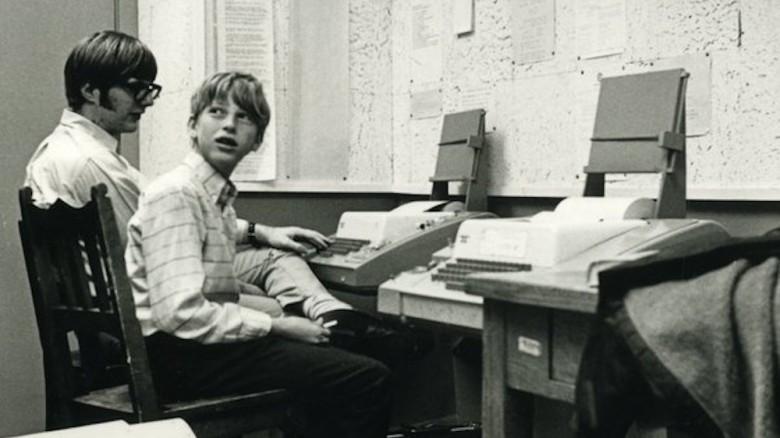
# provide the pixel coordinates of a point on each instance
(371, 246)
(582, 234)
(600, 208)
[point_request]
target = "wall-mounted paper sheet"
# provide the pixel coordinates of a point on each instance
(425, 28)
(426, 103)
(244, 41)
(462, 16)
(600, 27)
(533, 30)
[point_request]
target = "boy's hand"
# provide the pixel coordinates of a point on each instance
(300, 240)
(300, 329)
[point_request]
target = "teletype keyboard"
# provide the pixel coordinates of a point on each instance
(369, 247)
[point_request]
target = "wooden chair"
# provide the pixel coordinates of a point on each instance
(75, 264)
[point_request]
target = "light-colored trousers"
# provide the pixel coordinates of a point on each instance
(277, 278)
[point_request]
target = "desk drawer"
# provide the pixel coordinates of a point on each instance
(543, 350)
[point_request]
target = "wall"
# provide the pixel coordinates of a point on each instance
(317, 102)
(37, 36)
(284, 208)
(540, 115)
(174, 31)
(540, 111)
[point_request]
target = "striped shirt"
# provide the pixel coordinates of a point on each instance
(181, 246)
(77, 155)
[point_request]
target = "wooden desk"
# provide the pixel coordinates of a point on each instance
(535, 328)
(414, 296)
(456, 318)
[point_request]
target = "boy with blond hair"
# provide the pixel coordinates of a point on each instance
(181, 248)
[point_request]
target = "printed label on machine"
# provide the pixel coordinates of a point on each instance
(497, 244)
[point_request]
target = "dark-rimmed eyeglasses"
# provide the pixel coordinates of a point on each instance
(141, 89)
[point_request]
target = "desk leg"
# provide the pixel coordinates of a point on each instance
(505, 413)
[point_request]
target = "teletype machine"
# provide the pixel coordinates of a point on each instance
(372, 246)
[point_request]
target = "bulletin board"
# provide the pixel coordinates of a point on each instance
(361, 87)
(535, 66)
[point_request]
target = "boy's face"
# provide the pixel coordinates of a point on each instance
(223, 134)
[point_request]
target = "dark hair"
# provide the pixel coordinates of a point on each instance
(245, 90)
(105, 59)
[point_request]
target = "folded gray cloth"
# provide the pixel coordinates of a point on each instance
(708, 333)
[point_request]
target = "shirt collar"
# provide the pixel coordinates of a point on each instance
(221, 190)
(73, 119)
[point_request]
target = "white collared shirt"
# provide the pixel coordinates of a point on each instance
(77, 155)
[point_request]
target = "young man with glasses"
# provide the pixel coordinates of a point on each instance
(109, 84)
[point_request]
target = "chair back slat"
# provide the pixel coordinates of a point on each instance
(97, 269)
(79, 279)
(61, 276)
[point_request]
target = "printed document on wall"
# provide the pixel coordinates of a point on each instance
(463, 16)
(425, 58)
(600, 27)
(244, 41)
(533, 30)
(426, 27)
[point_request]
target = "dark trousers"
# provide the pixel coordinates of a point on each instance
(342, 394)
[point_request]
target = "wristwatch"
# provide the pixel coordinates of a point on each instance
(251, 235)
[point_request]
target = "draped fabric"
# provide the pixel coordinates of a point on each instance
(702, 330)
